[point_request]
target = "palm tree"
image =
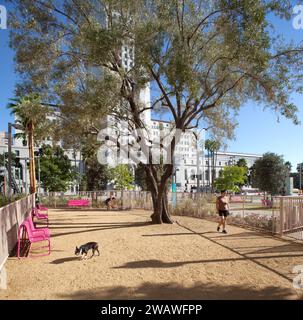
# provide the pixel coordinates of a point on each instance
(32, 117)
(212, 147)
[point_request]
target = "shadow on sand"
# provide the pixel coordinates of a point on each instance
(176, 291)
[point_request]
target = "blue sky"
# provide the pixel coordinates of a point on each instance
(258, 131)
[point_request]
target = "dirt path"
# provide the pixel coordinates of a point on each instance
(186, 260)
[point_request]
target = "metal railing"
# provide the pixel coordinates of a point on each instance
(291, 217)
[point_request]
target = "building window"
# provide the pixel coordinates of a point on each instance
(192, 175)
(185, 173)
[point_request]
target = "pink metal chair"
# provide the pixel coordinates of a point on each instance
(40, 216)
(40, 207)
(34, 235)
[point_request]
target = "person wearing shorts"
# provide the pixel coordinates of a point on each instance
(109, 203)
(222, 206)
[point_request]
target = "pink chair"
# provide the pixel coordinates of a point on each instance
(40, 216)
(34, 235)
(40, 207)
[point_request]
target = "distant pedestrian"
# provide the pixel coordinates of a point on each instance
(109, 202)
(222, 205)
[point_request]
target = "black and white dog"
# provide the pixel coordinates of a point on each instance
(83, 250)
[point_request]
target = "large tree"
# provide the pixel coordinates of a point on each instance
(231, 178)
(269, 173)
(204, 59)
(56, 170)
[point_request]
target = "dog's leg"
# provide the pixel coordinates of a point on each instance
(98, 251)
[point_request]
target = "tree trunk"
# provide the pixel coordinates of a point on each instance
(159, 194)
(161, 212)
(32, 169)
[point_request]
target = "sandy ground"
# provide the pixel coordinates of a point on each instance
(186, 260)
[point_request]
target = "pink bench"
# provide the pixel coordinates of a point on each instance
(33, 235)
(78, 203)
(36, 213)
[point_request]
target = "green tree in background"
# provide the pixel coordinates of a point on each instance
(269, 174)
(96, 175)
(231, 178)
(56, 170)
(122, 177)
(243, 164)
(212, 147)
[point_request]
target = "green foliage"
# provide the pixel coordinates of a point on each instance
(122, 177)
(242, 163)
(141, 178)
(56, 170)
(97, 175)
(5, 200)
(269, 173)
(29, 110)
(231, 178)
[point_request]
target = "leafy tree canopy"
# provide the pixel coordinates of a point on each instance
(56, 170)
(231, 178)
(122, 177)
(269, 173)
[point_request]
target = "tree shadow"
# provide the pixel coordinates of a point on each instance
(280, 249)
(154, 263)
(176, 291)
(176, 234)
(100, 228)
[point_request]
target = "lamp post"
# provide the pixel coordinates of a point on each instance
(39, 181)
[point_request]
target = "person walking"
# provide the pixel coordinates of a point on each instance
(222, 205)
